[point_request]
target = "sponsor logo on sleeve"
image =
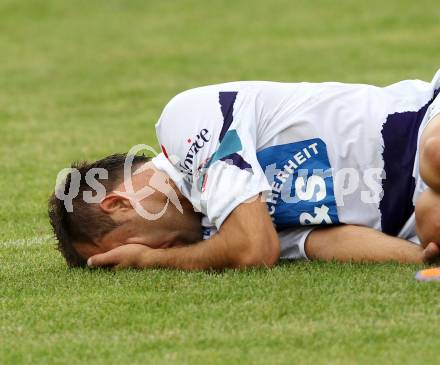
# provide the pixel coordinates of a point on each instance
(302, 184)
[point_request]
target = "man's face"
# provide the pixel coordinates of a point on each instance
(170, 227)
(137, 231)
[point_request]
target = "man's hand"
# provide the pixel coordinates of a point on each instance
(431, 253)
(132, 255)
(247, 238)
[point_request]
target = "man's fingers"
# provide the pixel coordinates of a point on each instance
(431, 252)
(120, 257)
(109, 258)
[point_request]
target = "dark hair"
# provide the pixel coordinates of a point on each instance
(86, 222)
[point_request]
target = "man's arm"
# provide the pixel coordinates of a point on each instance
(247, 238)
(362, 244)
(430, 154)
(346, 243)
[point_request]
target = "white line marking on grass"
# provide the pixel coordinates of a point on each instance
(37, 240)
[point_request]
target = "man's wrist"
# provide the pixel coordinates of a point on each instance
(150, 258)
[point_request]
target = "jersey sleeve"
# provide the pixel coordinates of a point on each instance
(434, 109)
(208, 136)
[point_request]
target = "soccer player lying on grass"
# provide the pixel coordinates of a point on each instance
(254, 171)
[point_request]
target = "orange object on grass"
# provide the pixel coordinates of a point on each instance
(432, 274)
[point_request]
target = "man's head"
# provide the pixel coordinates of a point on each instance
(88, 228)
(87, 222)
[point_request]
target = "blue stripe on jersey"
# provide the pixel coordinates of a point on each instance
(399, 133)
(227, 101)
(229, 139)
(237, 160)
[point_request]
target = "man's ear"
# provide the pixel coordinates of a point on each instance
(113, 203)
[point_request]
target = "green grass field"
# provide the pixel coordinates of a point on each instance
(83, 79)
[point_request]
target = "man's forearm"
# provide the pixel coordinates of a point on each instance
(360, 244)
(246, 239)
(209, 254)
